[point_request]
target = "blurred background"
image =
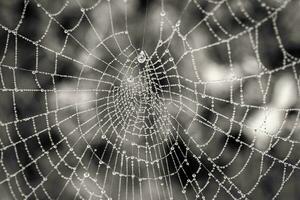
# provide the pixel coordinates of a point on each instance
(149, 99)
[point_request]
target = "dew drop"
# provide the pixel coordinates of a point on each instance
(141, 57)
(86, 174)
(160, 42)
(130, 79)
(162, 13)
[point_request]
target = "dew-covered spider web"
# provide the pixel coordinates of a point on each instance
(149, 99)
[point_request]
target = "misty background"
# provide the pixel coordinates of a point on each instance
(149, 99)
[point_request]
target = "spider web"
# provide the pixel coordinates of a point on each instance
(194, 99)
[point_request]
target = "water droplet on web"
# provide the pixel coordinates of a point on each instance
(141, 57)
(86, 174)
(162, 13)
(159, 42)
(130, 79)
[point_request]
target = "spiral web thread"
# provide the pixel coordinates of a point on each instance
(131, 125)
